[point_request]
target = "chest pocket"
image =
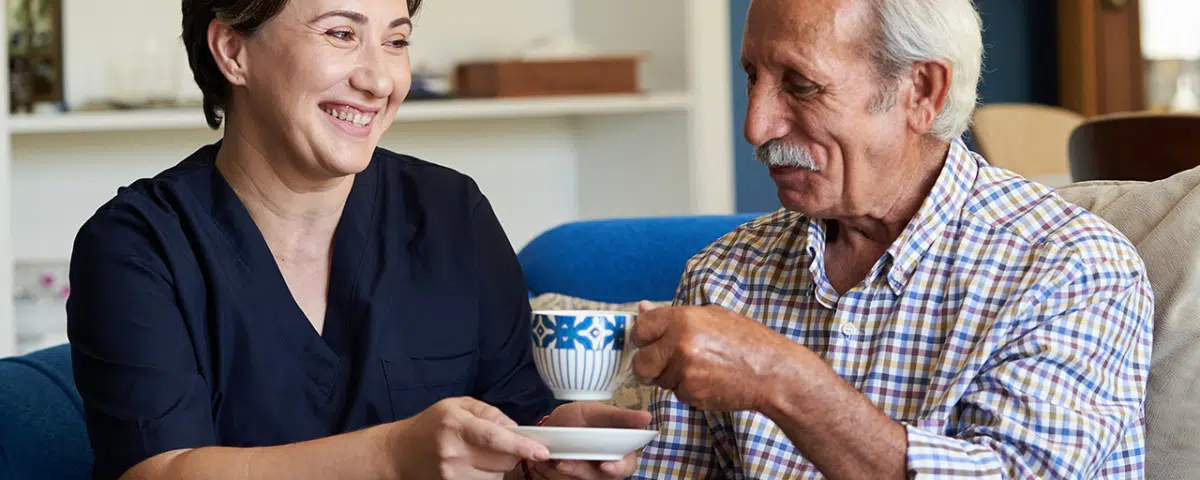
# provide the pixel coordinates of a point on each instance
(415, 383)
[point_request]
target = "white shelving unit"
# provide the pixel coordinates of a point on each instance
(542, 161)
(414, 111)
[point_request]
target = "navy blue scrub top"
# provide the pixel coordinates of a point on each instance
(184, 334)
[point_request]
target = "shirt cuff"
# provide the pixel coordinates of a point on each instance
(937, 456)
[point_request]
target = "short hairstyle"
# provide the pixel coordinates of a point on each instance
(245, 16)
(911, 31)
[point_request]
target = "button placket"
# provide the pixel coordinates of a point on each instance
(846, 326)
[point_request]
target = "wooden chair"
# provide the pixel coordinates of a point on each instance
(1135, 146)
(1029, 139)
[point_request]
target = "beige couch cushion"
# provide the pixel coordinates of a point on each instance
(1162, 219)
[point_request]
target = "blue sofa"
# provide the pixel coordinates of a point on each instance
(42, 434)
(620, 260)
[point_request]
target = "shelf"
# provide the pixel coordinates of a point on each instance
(412, 111)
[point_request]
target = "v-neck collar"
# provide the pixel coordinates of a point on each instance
(351, 239)
(350, 245)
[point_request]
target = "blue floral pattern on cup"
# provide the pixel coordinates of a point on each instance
(569, 332)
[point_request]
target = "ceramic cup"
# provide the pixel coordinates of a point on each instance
(583, 354)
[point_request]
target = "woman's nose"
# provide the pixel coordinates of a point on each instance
(372, 75)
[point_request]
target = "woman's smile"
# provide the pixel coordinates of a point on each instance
(354, 120)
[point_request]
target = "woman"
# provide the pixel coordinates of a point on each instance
(293, 302)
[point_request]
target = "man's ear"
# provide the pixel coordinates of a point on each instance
(228, 47)
(931, 88)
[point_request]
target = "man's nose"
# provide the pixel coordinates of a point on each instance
(766, 116)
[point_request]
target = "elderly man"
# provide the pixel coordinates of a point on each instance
(912, 311)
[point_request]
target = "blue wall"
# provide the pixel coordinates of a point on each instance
(1020, 65)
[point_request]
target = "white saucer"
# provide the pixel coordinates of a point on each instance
(597, 444)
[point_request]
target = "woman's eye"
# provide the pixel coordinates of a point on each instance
(398, 43)
(339, 34)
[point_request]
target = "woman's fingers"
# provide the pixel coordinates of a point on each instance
(490, 437)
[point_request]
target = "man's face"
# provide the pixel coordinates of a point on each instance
(816, 112)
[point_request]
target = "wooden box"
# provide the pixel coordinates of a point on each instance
(531, 78)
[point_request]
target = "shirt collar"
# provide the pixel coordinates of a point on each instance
(815, 247)
(941, 207)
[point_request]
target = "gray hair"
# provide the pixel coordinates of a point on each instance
(911, 31)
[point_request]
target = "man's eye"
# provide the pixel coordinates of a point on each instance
(803, 90)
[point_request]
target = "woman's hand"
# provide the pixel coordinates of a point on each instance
(461, 438)
(596, 415)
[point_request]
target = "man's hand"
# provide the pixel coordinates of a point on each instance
(711, 358)
(461, 438)
(596, 415)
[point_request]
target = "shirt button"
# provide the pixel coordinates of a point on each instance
(848, 329)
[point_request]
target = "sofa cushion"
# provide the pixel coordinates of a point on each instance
(1162, 219)
(622, 259)
(632, 395)
(42, 432)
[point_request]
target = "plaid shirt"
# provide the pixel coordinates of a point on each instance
(1008, 330)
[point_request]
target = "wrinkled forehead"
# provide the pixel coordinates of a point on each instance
(831, 29)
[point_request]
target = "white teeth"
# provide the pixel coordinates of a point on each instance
(359, 119)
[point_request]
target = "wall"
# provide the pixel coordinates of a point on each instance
(754, 189)
(1020, 40)
(1020, 65)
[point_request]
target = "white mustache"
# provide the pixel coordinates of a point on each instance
(776, 153)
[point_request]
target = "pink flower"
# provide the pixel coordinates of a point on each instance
(47, 280)
(65, 292)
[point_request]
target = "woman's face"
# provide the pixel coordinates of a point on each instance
(322, 82)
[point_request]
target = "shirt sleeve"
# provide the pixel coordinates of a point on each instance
(132, 357)
(508, 378)
(1058, 399)
(683, 448)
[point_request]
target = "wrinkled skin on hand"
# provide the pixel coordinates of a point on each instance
(711, 357)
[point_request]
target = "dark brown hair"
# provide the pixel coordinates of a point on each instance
(245, 16)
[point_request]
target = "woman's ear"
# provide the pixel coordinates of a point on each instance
(228, 49)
